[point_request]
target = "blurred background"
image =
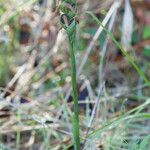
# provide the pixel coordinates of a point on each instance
(36, 103)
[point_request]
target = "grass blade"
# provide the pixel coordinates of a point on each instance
(124, 52)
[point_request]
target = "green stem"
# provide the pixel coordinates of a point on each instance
(68, 22)
(76, 134)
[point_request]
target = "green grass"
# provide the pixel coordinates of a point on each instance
(131, 115)
(128, 130)
(124, 52)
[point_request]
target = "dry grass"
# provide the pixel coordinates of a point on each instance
(36, 105)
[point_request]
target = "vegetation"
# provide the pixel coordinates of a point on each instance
(69, 22)
(74, 74)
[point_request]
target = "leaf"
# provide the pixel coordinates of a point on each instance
(146, 33)
(146, 52)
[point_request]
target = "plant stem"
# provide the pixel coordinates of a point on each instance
(76, 134)
(68, 22)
